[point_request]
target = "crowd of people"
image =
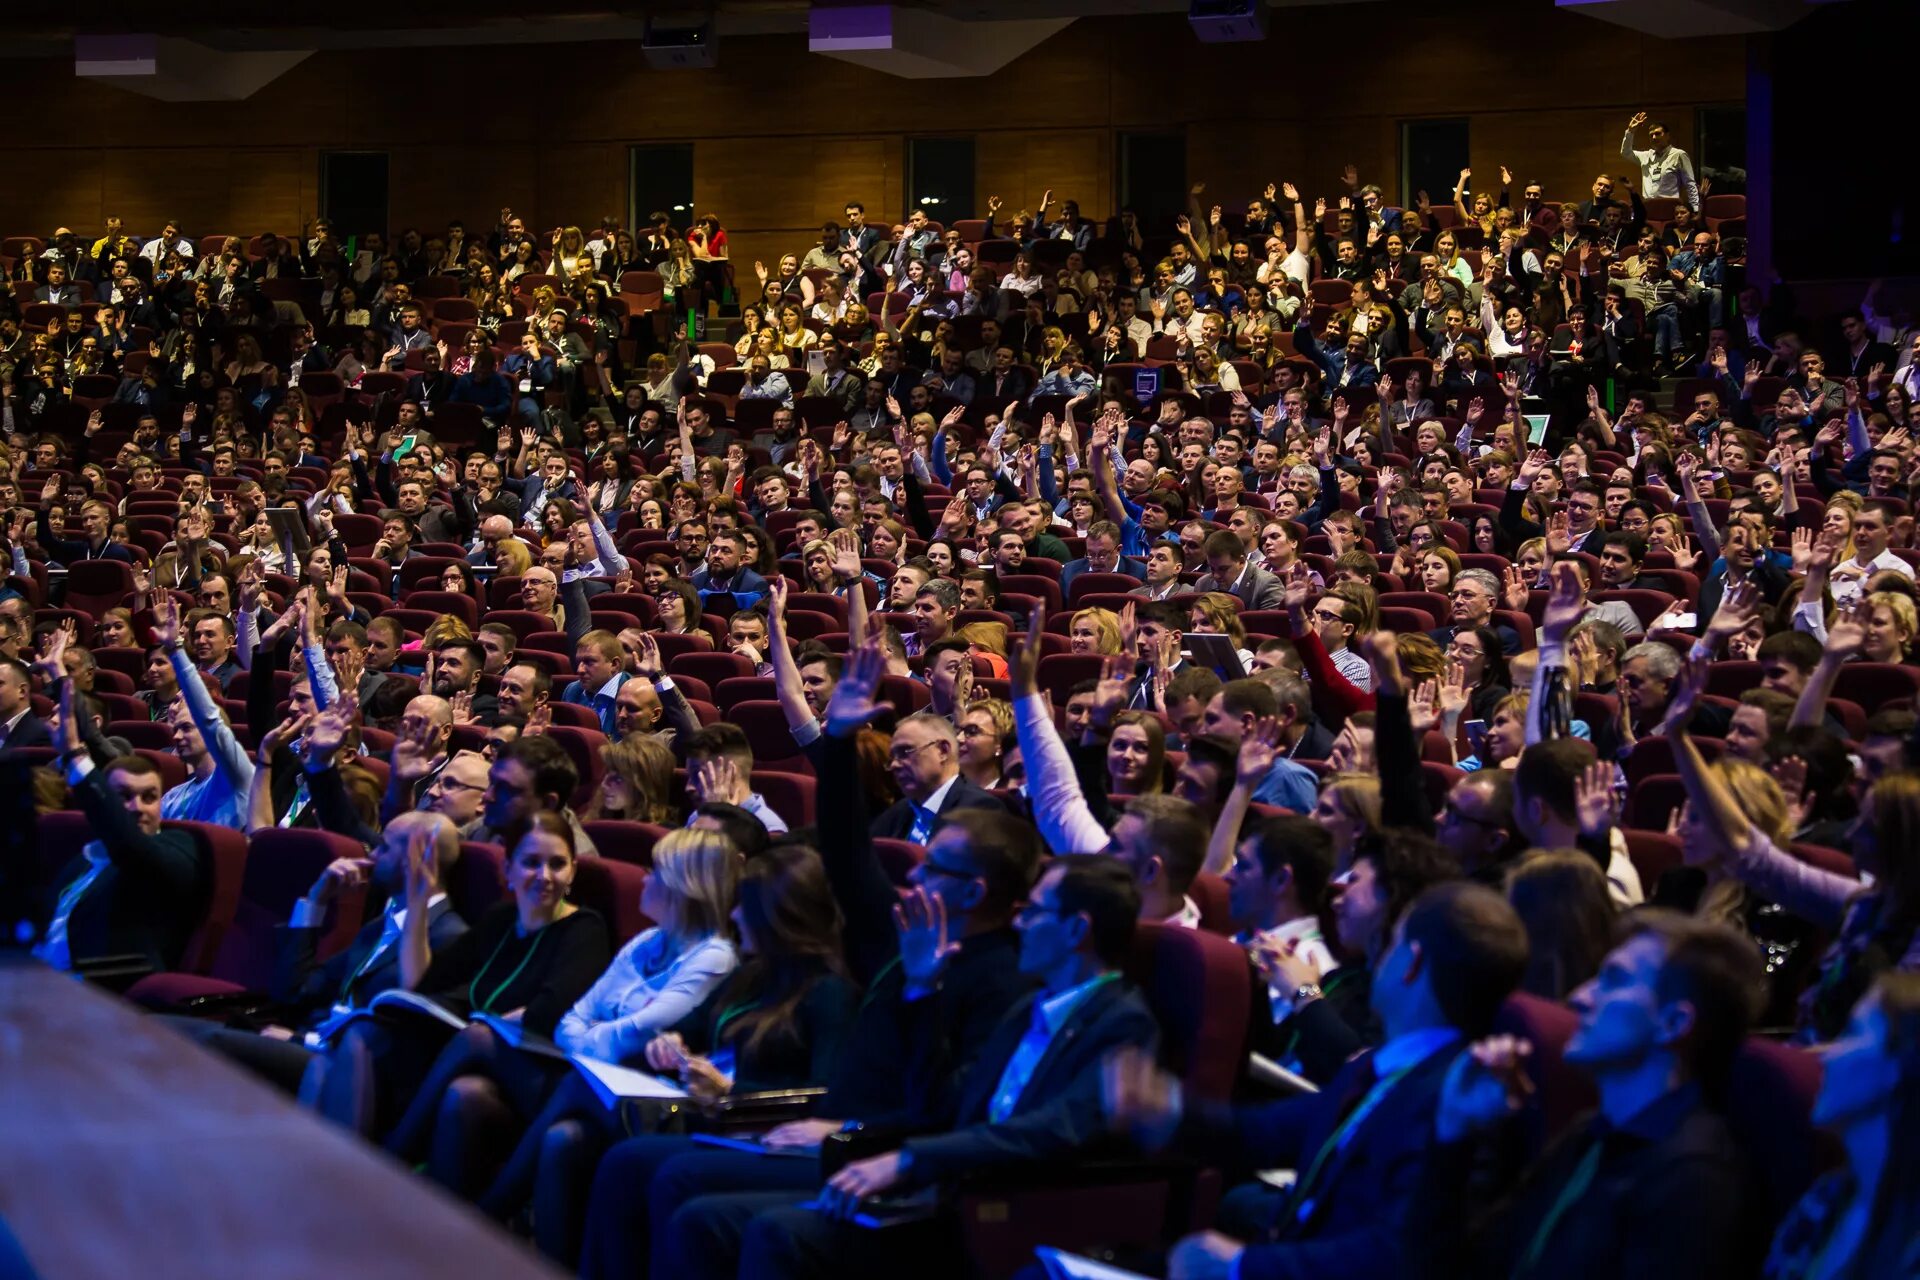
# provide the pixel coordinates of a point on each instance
(1359, 593)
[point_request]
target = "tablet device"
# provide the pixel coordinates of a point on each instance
(1215, 651)
(290, 527)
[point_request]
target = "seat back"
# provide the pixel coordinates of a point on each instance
(226, 853)
(95, 586)
(1209, 893)
(282, 866)
(613, 889)
(1770, 1110)
(1200, 987)
(791, 795)
(625, 841)
(478, 880)
(1560, 1091)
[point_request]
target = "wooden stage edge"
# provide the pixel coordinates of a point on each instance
(125, 1150)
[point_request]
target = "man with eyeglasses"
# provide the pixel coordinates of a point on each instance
(309, 991)
(924, 759)
(1473, 598)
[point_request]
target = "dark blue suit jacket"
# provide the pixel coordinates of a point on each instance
(152, 897)
(1059, 1112)
(1360, 1192)
(300, 978)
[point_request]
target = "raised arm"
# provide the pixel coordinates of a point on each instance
(1060, 809)
(1845, 636)
(229, 756)
(1258, 750)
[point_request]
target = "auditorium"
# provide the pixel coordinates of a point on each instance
(765, 640)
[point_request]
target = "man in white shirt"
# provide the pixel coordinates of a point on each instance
(1278, 873)
(1665, 170)
(1872, 532)
(1162, 840)
(168, 241)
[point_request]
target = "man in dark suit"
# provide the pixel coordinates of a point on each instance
(1032, 1097)
(1103, 556)
(19, 727)
(1359, 1144)
(724, 574)
(925, 762)
(307, 990)
(1005, 383)
(1652, 1185)
(1228, 570)
(135, 890)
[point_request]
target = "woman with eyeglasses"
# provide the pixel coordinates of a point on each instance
(677, 609)
(985, 729)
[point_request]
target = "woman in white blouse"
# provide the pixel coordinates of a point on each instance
(482, 1088)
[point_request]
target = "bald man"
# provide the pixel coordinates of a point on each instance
(457, 792)
(311, 993)
(419, 753)
(491, 532)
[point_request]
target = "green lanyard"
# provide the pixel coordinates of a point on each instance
(473, 988)
(1305, 1188)
(1576, 1187)
(873, 988)
(729, 1014)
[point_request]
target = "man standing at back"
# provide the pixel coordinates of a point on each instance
(1665, 169)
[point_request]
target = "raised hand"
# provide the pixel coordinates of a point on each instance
(1422, 712)
(1566, 604)
(853, 703)
(926, 944)
(1298, 586)
(1594, 803)
(329, 729)
(166, 621)
(1023, 664)
(1687, 688)
(1847, 633)
(1452, 695)
(1259, 749)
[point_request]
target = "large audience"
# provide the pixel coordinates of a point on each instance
(1402, 715)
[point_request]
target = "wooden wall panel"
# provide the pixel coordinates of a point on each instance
(783, 138)
(267, 189)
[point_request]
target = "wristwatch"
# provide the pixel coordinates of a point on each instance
(1305, 993)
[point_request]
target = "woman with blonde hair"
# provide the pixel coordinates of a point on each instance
(1217, 613)
(985, 728)
(570, 251)
(1349, 808)
(1208, 372)
(1564, 901)
(248, 362)
(638, 785)
(987, 640)
(1094, 630)
(481, 1090)
(512, 558)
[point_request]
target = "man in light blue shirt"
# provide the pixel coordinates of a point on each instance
(220, 773)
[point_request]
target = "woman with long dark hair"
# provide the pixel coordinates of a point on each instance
(777, 1022)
